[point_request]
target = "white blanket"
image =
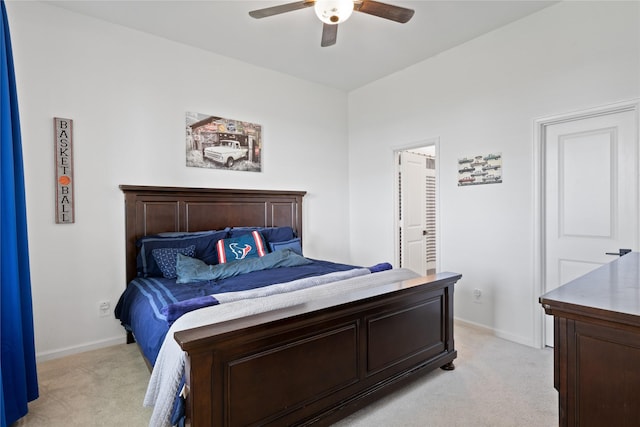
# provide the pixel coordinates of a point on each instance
(169, 367)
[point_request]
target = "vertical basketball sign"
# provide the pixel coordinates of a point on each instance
(63, 129)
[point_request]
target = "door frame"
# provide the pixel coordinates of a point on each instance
(435, 142)
(540, 128)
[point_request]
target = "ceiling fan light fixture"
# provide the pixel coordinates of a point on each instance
(333, 11)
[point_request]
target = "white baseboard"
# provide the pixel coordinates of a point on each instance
(498, 333)
(473, 324)
(94, 345)
(516, 338)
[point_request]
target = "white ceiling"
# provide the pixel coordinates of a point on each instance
(368, 47)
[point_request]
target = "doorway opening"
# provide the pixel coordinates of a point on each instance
(416, 195)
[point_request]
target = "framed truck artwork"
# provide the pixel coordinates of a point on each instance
(218, 143)
(481, 169)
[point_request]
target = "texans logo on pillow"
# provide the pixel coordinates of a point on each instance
(247, 246)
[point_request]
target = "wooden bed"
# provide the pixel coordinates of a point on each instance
(313, 363)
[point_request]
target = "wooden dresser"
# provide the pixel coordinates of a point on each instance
(597, 345)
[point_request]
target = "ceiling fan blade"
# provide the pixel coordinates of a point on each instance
(329, 34)
(276, 10)
(383, 10)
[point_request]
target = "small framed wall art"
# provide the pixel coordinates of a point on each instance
(218, 143)
(481, 169)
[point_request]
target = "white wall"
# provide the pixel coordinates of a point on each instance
(483, 97)
(127, 93)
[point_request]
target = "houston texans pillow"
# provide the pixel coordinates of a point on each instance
(242, 247)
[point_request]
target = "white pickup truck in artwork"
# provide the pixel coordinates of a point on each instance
(227, 152)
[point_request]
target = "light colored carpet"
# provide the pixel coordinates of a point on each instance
(496, 383)
(100, 388)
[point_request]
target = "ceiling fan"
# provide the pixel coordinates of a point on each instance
(334, 12)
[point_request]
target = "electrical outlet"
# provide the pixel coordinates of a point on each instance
(104, 308)
(477, 296)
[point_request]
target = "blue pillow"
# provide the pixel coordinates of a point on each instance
(205, 243)
(166, 259)
(293, 244)
(243, 247)
(269, 234)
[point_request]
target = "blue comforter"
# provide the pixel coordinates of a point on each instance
(140, 306)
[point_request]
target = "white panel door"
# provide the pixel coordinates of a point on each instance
(591, 195)
(413, 247)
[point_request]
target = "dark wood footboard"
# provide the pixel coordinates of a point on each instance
(318, 362)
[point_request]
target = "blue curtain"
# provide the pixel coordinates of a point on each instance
(17, 357)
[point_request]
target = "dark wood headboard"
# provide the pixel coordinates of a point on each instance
(151, 210)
